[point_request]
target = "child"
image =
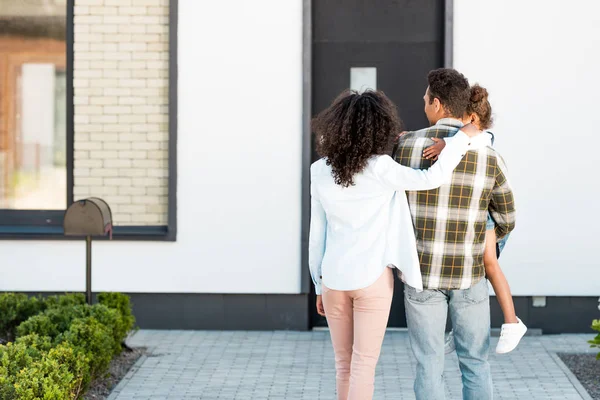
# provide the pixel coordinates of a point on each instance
(479, 113)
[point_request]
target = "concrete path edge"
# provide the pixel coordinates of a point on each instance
(123, 382)
(574, 381)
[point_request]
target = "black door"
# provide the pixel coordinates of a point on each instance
(392, 43)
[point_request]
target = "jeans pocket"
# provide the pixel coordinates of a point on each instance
(477, 293)
(418, 297)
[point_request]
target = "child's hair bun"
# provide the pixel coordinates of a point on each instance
(478, 94)
(480, 105)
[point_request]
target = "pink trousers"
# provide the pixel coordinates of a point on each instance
(357, 320)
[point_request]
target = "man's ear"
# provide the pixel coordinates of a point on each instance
(437, 105)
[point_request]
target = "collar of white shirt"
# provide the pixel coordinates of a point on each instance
(484, 139)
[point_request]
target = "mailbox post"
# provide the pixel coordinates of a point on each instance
(88, 217)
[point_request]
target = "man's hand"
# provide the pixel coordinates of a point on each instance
(320, 308)
(432, 152)
(470, 130)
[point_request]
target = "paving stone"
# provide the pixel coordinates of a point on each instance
(300, 365)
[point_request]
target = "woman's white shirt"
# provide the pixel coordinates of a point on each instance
(357, 231)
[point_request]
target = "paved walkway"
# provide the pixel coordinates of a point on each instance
(299, 365)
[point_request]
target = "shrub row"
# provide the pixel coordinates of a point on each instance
(61, 343)
(15, 308)
(595, 342)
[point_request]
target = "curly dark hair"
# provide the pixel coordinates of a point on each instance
(480, 105)
(451, 88)
(354, 128)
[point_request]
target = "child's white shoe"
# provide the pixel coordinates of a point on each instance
(510, 336)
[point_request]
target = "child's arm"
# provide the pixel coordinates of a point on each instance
(433, 151)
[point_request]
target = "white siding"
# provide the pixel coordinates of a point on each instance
(539, 60)
(239, 160)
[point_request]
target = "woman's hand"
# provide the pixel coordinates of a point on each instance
(320, 308)
(433, 151)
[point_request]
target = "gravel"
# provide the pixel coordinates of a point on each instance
(587, 370)
(119, 366)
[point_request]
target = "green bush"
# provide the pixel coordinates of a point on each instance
(41, 343)
(114, 321)
(121, 303)
(44, 379)
(57, 320)
(41, 325)
(62, 346)
(65, 300)
(14, 309)
(28, 372)
(77, 363)
(16, 356)
(596, 341)
(13, 359)
(54, 321)
(94, 340)
(63, 315)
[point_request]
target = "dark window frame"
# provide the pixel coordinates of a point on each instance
(47, 224)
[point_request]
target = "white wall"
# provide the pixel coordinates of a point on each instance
(539, 60)
(239, 158)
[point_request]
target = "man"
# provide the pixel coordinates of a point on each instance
(450, 225)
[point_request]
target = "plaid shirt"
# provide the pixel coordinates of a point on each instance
(450, 222)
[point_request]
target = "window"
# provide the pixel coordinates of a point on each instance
(86, 95)
(34, 178)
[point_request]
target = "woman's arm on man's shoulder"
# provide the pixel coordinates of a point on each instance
(399, 177)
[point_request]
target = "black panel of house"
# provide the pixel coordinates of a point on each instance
(400, 41)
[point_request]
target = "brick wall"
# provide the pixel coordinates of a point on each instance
(121, 100)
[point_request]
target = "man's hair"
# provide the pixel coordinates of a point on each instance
(451, 88)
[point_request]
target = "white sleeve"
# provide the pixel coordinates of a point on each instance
(482, 140)
(317, 238)
(399, 177)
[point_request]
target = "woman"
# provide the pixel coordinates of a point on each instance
(360, 226)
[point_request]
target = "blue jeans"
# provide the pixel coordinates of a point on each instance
(426, 314)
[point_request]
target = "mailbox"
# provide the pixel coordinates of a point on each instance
(88, 217)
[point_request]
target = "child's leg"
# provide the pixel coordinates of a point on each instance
(497, 279)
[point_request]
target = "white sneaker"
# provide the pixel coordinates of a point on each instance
(450, 346)
(510, 336)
